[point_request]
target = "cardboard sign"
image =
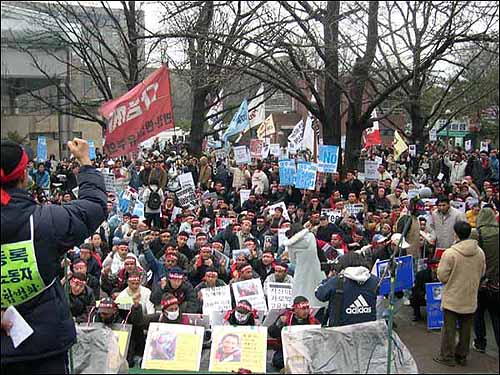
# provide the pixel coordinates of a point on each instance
(216, 299)
(279, 295)
(244, 195)
(328, 158)
(187, 197)
(434, 293)
(371, 170)
(306, 176)
(256, 146)
(287, 172)
(223, 222)
(122, 333)
(404, 277)
(274, 149)
(282, 205)
(186, 179)
(250, 290)
(237, 347)
(332, 214)
(109, 181)
(242, 155)
(173, 347)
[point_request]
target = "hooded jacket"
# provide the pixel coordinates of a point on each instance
(57, 229)
(359, 297)
(488, 241)
(460, 270)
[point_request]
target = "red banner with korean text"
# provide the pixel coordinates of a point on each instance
(140, 114)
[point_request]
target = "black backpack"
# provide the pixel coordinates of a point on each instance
(154, 201)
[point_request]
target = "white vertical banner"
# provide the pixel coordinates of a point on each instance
(256, 112)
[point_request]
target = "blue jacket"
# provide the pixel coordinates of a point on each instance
(57, 229)
(494, 166)
(41, 179)
(360, 296)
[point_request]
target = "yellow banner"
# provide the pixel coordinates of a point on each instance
(266, 128)
(400, 145)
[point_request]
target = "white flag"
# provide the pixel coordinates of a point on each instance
(257, 113)
(297, 134)
(308, 140)
(215, 121)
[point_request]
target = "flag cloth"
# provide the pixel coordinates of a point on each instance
(267, 128)
(214, 120)
(239, 123)
(308, 141)
(257, 112)
(138, 115)
(399, 144)
(372, 135)
(297, 134)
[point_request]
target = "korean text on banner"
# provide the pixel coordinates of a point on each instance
(434, 292)
(404, 276)
(109, 182)
(328, 158)
(216, 299)
(275, 149)
(297, 134)
(187, 197)
(279, 295)
(140, 114)
(186, 179)
(174, 347)
(92, 154)
(241, 155)
(41, 149)
(256, 146)
(239, 123)
(244, 195)
(306, 176)
(371, 170)
(287, 172)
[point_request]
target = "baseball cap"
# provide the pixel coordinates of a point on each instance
(379, 238)
(395, 239)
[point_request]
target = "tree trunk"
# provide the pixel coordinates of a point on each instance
(198, 121)
(133, 58)
(353, 145)
(331, 127)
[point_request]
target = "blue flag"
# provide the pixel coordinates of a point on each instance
(92, 155)
(328, 158)
(433, 292)
(239, 123)
(404, 277)
(41, 148)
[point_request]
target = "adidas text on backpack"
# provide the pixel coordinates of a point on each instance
(154, 201)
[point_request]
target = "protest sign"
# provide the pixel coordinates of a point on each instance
(404, 276)
(138, 209)
(122, 333)
(282, 236)
(332, 214)
(274, 149)
(354, 208)
(282, 205)
(186, 179)
(378, 160)
(371, 170)
(92, 154)
(279, 295)
(220, 154)
(237, 252)
(220, 257)
(256, 146)
(250, 290)
(484, 146)
(292, 148)
(75, 192)
(187, 197)
(237, 347)
(433, 135)
(216, 299)
(265, 150)
(267, 128)
(287, 172)
(297, 135)
(412, 150)
(241, 155)
(461, 206)
(223, 222)
(109, 181)
(328, 158)
(434, 292)
(468, 145)
(173, 347)
(306, 176)
(244, 195)
(41, 148)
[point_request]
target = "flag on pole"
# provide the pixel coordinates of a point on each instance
(257, 113)
(372, 135)
(399, 144)
(213, 119)
(308, 140)
(297, 134)
(267, 128)
(239, 123)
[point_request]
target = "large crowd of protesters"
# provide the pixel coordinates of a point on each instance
(163, 260)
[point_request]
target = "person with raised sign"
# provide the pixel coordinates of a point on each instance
(280, 275)
(34, 238)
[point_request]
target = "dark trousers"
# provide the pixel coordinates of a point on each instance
(486, 301)
(52, 365)
(450, 350)
(153, 219)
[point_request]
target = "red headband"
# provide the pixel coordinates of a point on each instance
(169, 302)
(211, 274)
(243, 306)
(171, 256)
(134, 278)
(175, 276)
(76, 281)
(14, 175)
(246, 268)
(301, 305)
(280, 267)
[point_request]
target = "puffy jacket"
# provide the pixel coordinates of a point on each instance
(359, 297)
(188, 301)
(488, 241)
(57, 229)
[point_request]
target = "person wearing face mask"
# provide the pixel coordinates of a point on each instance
(299, 315)
(170, 313)
(81, 298)
(174, 283)
(242, 315)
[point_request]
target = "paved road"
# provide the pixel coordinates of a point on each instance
(423, 344)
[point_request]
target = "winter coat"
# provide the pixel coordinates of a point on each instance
(82, 304)
(57, 229)
(302, 251)
(145, 199)
(188, 301)
(460, 270)
(488, 241)
(158, 174)
(413, 235)
(443, 226)
(457, 169)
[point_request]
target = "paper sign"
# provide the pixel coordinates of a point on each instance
(292, 148)
(433, 135)
(20, 329)
(306, 176)
(41, 148)
(287, 172)
(274, 149)
(241, 155)
(122, 333)
(282, 236)
(371, 170)
(220, 154)
(223, 222)
(434, 293)
(216, 299)
(173, 347)
(378, 160)
(404, 278)
(265, 150)
(468, 145)
(484, 146)
(256, 146)
(187, 197)
(186, 179)
(354, 208)
(328, 158)
(250, 290)
(440, 176)
(282, 205)
(244, 195)
(237, 347)
(92, 155)
(237, 252)
(332, 214)
(279, 295)
(412, 150)
(138, 209)
(458, 205)
(109, 181)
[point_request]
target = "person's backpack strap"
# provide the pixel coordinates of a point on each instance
(480, 238)
(339, 300)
